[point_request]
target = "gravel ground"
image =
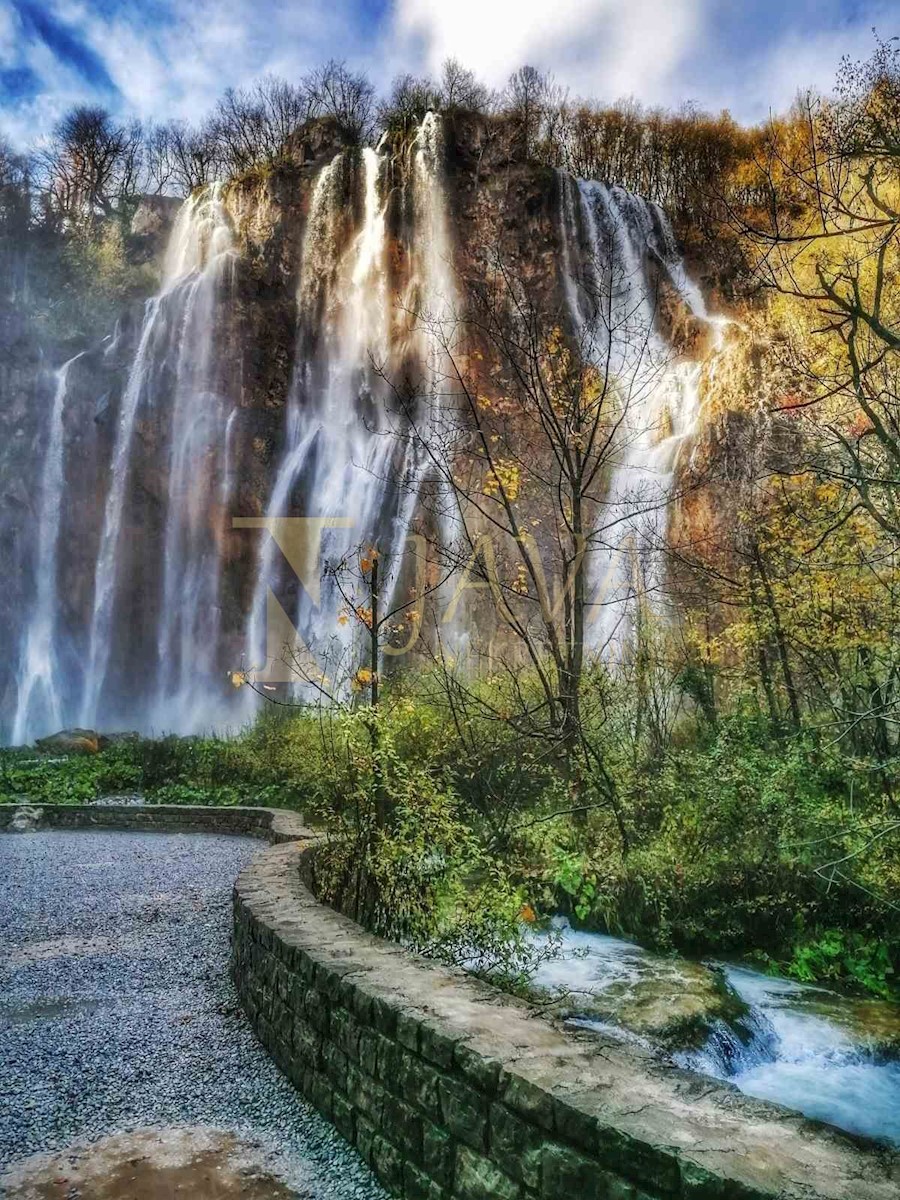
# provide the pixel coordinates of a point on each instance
(117, 1013)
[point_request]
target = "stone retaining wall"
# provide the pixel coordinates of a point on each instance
(274, 824)
(452, 1090)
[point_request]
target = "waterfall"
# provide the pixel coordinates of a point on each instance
(332, 446)
(183, 312)
(356, 473)
(40, 701)
(190, 618)
(164, 598)
(608, 237)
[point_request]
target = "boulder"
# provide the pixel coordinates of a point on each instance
(24, 819)
(670, 1002)
(72, 741)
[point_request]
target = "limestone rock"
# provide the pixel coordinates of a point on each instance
(670, 1002)
(25, 819)
(72, 741)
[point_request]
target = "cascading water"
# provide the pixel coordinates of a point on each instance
(336, 449)
(190, 619)
(178, 323)
(343, 452)
(40, 701)
(829, 1056)
(106, 573)
(608, 237)
(376, 303)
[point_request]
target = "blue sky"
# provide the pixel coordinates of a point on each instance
(171, 58)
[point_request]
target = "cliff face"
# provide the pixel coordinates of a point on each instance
(256, 380)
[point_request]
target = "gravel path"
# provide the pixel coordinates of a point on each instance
(117, 1014)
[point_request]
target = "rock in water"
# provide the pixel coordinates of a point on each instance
(673, 1003)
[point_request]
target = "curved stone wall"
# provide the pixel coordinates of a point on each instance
(274, 824)
(452, 1090)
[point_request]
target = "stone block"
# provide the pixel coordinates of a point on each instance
(320, 1093)
(389, 1056)
(408, 1031)
(477, 1069)
(418, 1082)
(387, 1163)
(365, 1136)
(417, 1185)
(384, 1017)
(343, 1116)
(344, 1032)
(463, 1112)
(436, 1043)
(438, 1154)
(367, 1052)
(402, 1125)
(527, 1099)
(365, 1094)
(335, 1064)
(477, 1178)
(566, 1173)
(516, 1146)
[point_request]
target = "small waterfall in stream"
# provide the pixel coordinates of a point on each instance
(833, 1057)
(609, 237)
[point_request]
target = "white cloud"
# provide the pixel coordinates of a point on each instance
(799, 63)
(172, 58)
(605, 47)
(177, 65)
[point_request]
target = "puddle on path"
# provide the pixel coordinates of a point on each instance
(192, 1163)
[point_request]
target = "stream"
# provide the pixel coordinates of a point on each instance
(832, 1057)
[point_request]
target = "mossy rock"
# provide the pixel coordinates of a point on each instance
(873, 1024)
(72, 741)
(670, 1002)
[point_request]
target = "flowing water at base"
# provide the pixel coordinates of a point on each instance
(831, 1057)
(810, 1059)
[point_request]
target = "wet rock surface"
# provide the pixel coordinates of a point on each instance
(118, 1017)
(874, 1025)
(669, 1002)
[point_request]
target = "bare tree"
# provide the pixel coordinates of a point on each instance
(252, 126)
(346, 96)
(521, 436)
(535, 103)
(459, 89)
(410, 99)
(193, 154)
(15, 178)
(92, 165)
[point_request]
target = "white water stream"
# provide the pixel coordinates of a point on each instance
(810, 1049)
(40, 702)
